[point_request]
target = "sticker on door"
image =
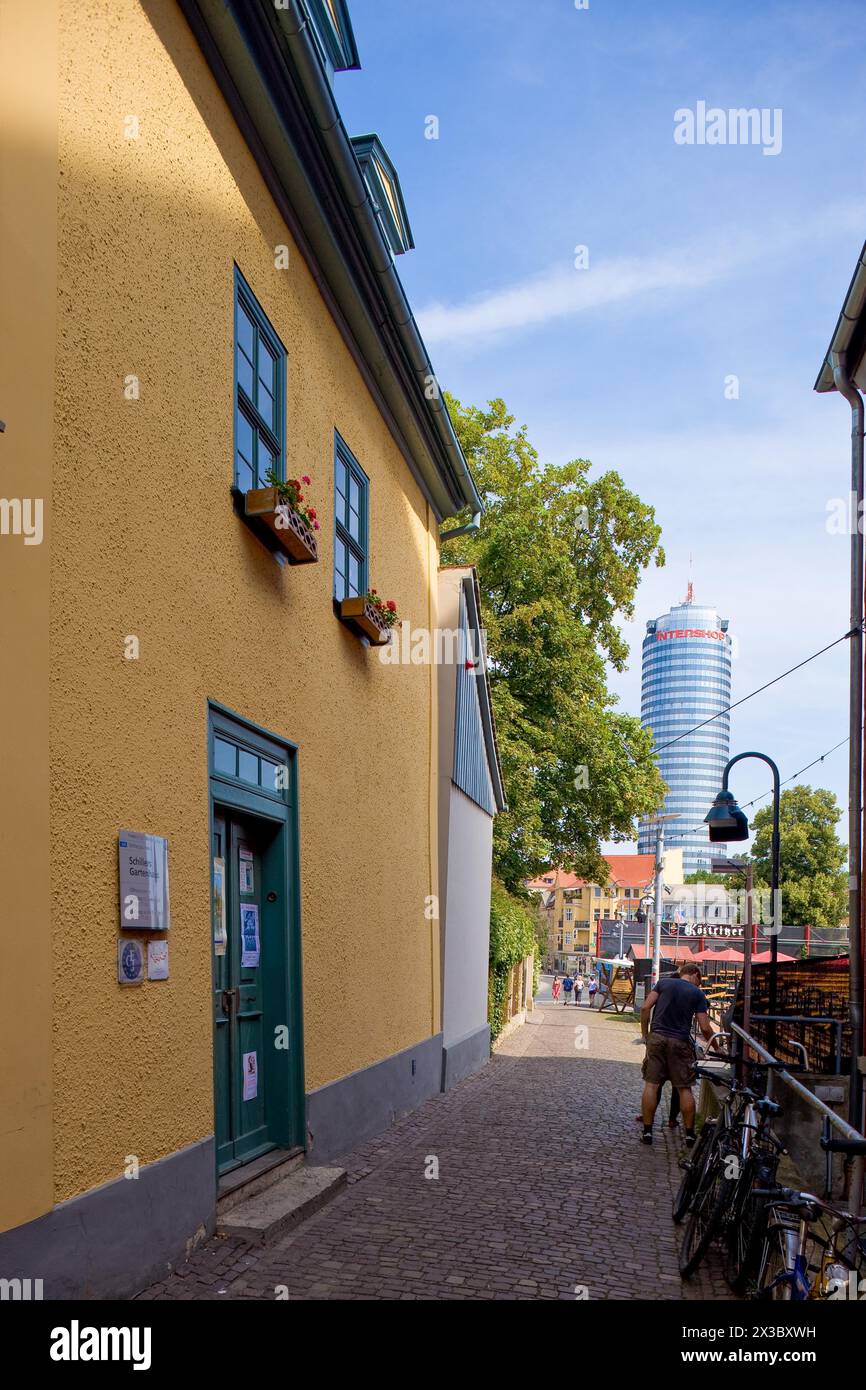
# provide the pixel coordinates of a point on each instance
(250, 934)
(246, 872)
(251, 1075)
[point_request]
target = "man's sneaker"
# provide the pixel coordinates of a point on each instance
(647, 1136)
(690, 1138)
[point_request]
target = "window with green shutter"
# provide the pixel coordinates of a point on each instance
(260, 393)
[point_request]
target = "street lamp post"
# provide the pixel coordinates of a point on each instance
(658, 822)
(727, 822)
(735, 866)
(644, 915)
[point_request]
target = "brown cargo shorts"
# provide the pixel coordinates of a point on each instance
(669, 1059)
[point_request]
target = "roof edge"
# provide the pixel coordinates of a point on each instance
(850, 325)
(269, 69)
(472, 593)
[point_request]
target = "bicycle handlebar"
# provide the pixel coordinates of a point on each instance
(787, 1197)
(745, 1061)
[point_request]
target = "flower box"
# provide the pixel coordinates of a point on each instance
(362, 617)
(264, 509)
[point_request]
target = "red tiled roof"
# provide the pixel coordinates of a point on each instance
(626, 871)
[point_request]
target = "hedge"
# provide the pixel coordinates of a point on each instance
(512, 939)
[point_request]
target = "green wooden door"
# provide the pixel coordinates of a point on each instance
(249, 984)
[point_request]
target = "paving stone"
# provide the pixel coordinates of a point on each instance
(544, 1187)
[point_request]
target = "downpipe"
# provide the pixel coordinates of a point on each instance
(469, 529)
(846, 388)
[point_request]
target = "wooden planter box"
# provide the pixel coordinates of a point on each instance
(296, 541)
(363, 618)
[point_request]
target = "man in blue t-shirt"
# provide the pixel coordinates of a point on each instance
(670, 1053)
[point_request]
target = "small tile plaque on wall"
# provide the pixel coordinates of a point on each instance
(130, 961)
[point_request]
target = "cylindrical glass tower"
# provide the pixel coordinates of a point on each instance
(687, 679)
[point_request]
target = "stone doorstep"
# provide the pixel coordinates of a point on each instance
(263, 1218)
(235, 1187)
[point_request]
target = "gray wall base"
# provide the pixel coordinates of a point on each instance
(114, 1240)
(800, 1129)
(344, 1113)
(465, 1056)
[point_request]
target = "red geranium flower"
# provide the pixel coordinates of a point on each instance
(306, 480)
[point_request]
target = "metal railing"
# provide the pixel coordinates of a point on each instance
(834, 1023)
(720, 1003)
(830, 1118)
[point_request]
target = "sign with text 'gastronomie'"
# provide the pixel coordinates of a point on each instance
(143, 862)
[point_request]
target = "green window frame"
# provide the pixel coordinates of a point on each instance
(260, 392)
(238, 761)
(351, 523)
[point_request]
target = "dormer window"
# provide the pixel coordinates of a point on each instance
(332, 28)
(383, 185)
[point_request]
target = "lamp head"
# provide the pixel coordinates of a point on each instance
(726, 820)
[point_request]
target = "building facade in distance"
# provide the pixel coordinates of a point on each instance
(686, 679)
(575, 911)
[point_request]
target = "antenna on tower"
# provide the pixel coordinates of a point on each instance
(690, 592)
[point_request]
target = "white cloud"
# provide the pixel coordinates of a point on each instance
(560, 292)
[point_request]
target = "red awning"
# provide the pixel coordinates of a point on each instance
(639, 951)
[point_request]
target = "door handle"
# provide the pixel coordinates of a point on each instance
(227, 997)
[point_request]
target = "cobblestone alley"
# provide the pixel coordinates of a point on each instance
(543, 1190)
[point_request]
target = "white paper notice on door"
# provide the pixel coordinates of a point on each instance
(246, 872)
(250, 947)
(251, 1075)
(220, 936)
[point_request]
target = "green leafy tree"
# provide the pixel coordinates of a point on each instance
(559, 555)
(813, 879)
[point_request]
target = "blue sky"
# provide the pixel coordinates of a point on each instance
(556, 130)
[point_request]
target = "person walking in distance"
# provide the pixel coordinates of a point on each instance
(567, 987)
(666, 1027)
(578, 990)
(593, 989)
(557, 986)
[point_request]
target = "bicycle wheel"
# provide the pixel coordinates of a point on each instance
(775, 1277)
(746, 1223)
(711, 1202)
(693, 1166)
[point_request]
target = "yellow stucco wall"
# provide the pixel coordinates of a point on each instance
(145, 542)
(28, 239)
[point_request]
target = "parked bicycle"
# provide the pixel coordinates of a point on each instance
(733, 1154)
(810, 1248)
